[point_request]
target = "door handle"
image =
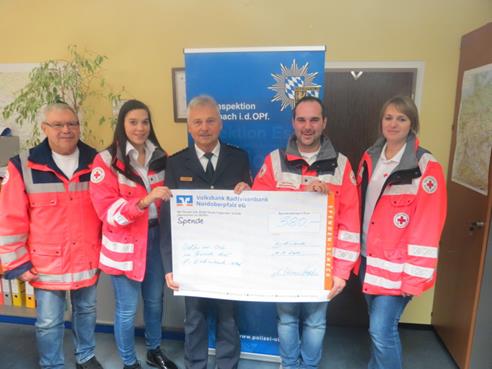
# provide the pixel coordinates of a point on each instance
(476, 225)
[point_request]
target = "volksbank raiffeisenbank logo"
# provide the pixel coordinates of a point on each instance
(184, 200)
(292, 84)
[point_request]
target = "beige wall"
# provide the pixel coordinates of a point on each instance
(144, 39)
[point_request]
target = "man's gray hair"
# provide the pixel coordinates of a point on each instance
(202, 100)
(58, 106)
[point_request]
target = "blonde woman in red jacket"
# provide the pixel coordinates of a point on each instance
(403, 199)
(127, 188)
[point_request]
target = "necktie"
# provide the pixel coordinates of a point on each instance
(209, 172)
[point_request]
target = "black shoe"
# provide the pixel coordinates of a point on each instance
(134, 366)
(158, 359)
(92, 363)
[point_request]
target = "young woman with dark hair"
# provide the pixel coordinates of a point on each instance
(127, 188)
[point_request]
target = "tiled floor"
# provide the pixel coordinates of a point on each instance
(345, 348)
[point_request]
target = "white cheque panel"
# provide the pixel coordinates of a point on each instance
(256, 246)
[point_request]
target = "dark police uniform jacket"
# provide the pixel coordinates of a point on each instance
(184, 171)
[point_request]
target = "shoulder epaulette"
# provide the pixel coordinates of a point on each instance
(232, 146)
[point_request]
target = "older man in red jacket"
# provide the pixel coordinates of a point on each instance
(50, 235)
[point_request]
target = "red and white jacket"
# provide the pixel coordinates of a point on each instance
(125, 225)
(406, 225)
(286, 170)
(47, 221)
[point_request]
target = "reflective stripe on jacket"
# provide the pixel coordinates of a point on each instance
(286, 170)
(49, 221)
(406, 225)
(125, 226)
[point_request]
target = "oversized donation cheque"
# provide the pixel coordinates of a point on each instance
(256, 246)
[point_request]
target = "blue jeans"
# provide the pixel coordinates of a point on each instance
(301, 351)
(127, 292)
(384, 314)
(50, 325)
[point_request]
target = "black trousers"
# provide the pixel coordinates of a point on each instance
(196, 333)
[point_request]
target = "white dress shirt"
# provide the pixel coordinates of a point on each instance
(381, 172)
(143, 170)
(204, 160)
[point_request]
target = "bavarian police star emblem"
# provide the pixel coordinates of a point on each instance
(291, 80)
(401, 220)
(97, 175)
(6, 178)
(429, 184)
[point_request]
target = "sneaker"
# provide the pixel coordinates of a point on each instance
(92, 363)
(158, 359)
(134, 366)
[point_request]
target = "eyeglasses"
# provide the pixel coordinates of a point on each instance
(60, 125)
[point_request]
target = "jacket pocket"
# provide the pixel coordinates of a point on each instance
(47, 258)
(43, 201)
(402, 201)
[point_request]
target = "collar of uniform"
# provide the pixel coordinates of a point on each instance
(42, 154)
(408, 161)
(326, 152)
(394, 159)
(157, 161)
(133, 153)
(215, 151)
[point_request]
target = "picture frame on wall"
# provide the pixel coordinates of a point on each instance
(179, 94)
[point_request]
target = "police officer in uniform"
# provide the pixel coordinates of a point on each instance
(206, 164)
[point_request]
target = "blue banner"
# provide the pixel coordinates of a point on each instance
(256, 89)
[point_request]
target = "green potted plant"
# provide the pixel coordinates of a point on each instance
(74, 81)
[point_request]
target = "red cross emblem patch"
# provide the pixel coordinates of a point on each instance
(401, 220)
(429, 184)
(97, 175)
